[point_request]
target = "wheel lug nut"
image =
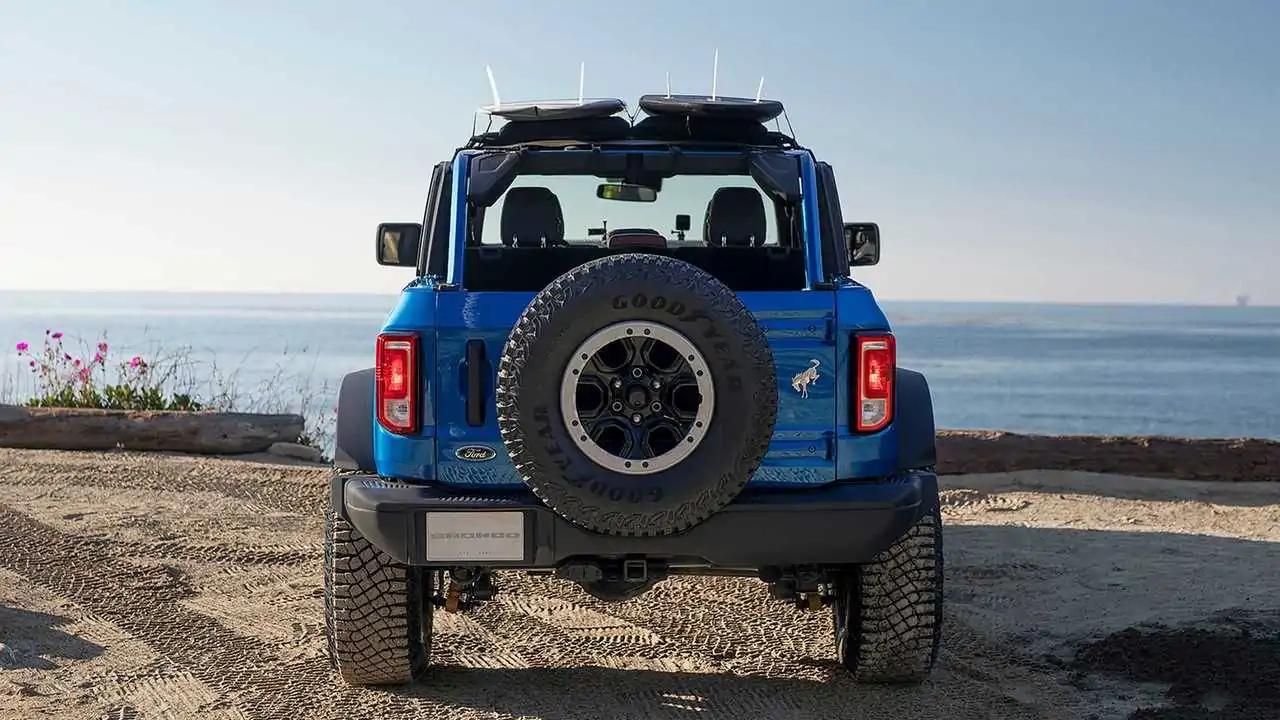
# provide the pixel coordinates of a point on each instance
(636, 418)
(617, 406)
(656, 407)
(636, 372)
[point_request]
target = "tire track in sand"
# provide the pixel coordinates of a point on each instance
(144, 602)
(543, 648)
(731, 622)
(562, 633)
(302, 490)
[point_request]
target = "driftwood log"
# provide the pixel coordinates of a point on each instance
(204, 433)
(1229, 460)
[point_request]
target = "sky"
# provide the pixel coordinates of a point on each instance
(1084, 151)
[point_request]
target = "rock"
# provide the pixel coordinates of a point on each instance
(296, 451)
(8, 658)
(1228, 459)
(205, 433)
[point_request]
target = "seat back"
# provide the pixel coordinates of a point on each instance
(531, 217)
(735, 218)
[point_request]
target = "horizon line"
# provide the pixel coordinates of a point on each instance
(395, 293)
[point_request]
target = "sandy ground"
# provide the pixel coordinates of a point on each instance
(154, 587)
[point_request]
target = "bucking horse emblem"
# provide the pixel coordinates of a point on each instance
(805, 378)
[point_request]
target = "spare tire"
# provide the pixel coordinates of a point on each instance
(636, 395)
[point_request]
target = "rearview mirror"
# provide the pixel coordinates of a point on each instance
(626, 192)
(863, 242)
(398, 244)
(683, 223)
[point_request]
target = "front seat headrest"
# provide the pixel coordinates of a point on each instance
(735, 218)
(531, 216)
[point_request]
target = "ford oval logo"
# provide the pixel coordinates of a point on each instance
(475, 453)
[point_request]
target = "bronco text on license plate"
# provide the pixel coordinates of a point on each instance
(475, 536)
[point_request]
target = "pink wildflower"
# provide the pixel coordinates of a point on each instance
(23, 347)
(102, 347)
(66, 356)
(84, 374)
(56, 336)
(97, 357)
(76, 362)
(33, 365)
(135, 361)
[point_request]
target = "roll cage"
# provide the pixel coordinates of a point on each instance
(727, 136)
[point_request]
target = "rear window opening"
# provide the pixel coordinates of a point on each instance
(544, 224)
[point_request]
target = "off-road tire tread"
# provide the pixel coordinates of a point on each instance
(896, 626)
(665, 272)
(373, 612)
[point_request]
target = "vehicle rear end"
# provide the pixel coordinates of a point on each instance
(617, 407)
(807, 365)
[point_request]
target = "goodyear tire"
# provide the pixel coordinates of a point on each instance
(377, 612)
(888, 613)
(679, 430)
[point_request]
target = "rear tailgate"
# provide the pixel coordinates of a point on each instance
(473, 328)
(801, 330)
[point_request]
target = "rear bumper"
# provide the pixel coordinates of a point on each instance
(842, 523)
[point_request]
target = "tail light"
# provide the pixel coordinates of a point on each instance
(874, 365)
(396, 380)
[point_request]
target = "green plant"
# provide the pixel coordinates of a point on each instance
(64, 380)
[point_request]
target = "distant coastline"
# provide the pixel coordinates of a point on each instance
(1251, 302)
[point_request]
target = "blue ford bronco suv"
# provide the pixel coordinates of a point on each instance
(577, 383)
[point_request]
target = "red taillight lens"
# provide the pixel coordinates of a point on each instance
(875, 360)
(396, 379)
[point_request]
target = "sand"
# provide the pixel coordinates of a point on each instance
(147, 586)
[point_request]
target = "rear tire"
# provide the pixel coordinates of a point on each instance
(888, 613)
(377, 612)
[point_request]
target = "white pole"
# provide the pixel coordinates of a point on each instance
(493, 87)
(760, 89)
(715, 73)
(668, 84)
(582, 80)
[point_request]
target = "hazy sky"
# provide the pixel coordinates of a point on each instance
(1091, 150)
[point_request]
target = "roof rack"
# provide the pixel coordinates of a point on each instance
(684, 120)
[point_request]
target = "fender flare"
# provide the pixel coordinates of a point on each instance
(353, 436)
(917, 447)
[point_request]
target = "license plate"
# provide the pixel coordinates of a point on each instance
(475, 536)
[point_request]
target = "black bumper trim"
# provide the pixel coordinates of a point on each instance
(842, 523)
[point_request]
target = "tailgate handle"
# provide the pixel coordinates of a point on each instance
(476, 367)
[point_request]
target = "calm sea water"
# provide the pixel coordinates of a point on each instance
(1192, 371)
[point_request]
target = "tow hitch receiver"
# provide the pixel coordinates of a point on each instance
(462, 589)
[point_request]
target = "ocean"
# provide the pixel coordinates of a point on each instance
(1037, 368)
